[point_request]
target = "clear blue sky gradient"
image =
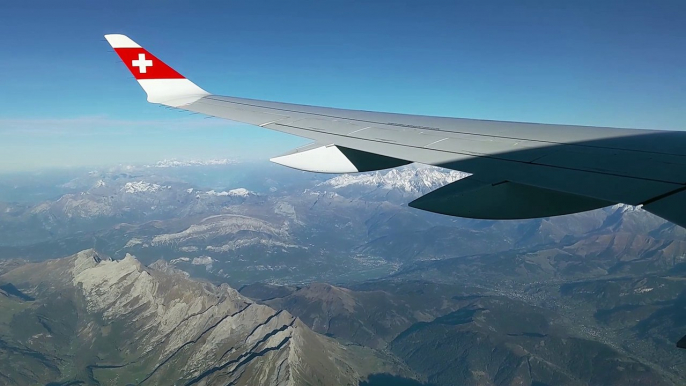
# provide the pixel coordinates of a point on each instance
(67, 100)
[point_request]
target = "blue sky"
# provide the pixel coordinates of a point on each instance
(68, 101)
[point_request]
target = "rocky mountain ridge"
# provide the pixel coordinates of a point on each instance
(101, 321)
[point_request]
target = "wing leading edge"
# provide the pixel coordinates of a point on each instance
(564, 169)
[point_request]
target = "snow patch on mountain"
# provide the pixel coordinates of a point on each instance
(626, 208)
(202, 260)
(142, 187)
(414, 179)
(240, 192)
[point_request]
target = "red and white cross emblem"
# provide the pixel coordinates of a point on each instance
(141, 63)
(144, 65)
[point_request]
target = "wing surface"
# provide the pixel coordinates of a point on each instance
(585, 167)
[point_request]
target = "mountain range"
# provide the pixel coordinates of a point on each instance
(342, 266)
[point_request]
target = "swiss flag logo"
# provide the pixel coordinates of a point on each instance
(143, 65)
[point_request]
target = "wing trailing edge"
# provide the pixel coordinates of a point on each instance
(681, 343)
(503, 200)
(670, 207)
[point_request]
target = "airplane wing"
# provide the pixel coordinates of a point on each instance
(519, 170)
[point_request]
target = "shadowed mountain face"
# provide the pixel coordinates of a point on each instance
(371, 316)
(391, 380)
(454, 334)
(504, 342)
(97, 321)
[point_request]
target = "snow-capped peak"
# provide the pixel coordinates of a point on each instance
(141, 186)
(240, 192)
(409, 179)
(626, 208)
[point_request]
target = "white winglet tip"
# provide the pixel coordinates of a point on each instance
(121, 41)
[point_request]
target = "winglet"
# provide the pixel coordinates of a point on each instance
(162, 83)
(121, 41)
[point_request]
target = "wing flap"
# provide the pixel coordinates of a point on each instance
(681, 343)
(670, 207)
(335, 159)
(663, 167)
(472, 198)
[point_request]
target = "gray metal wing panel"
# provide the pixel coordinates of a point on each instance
(630, 166)
(628, 139)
